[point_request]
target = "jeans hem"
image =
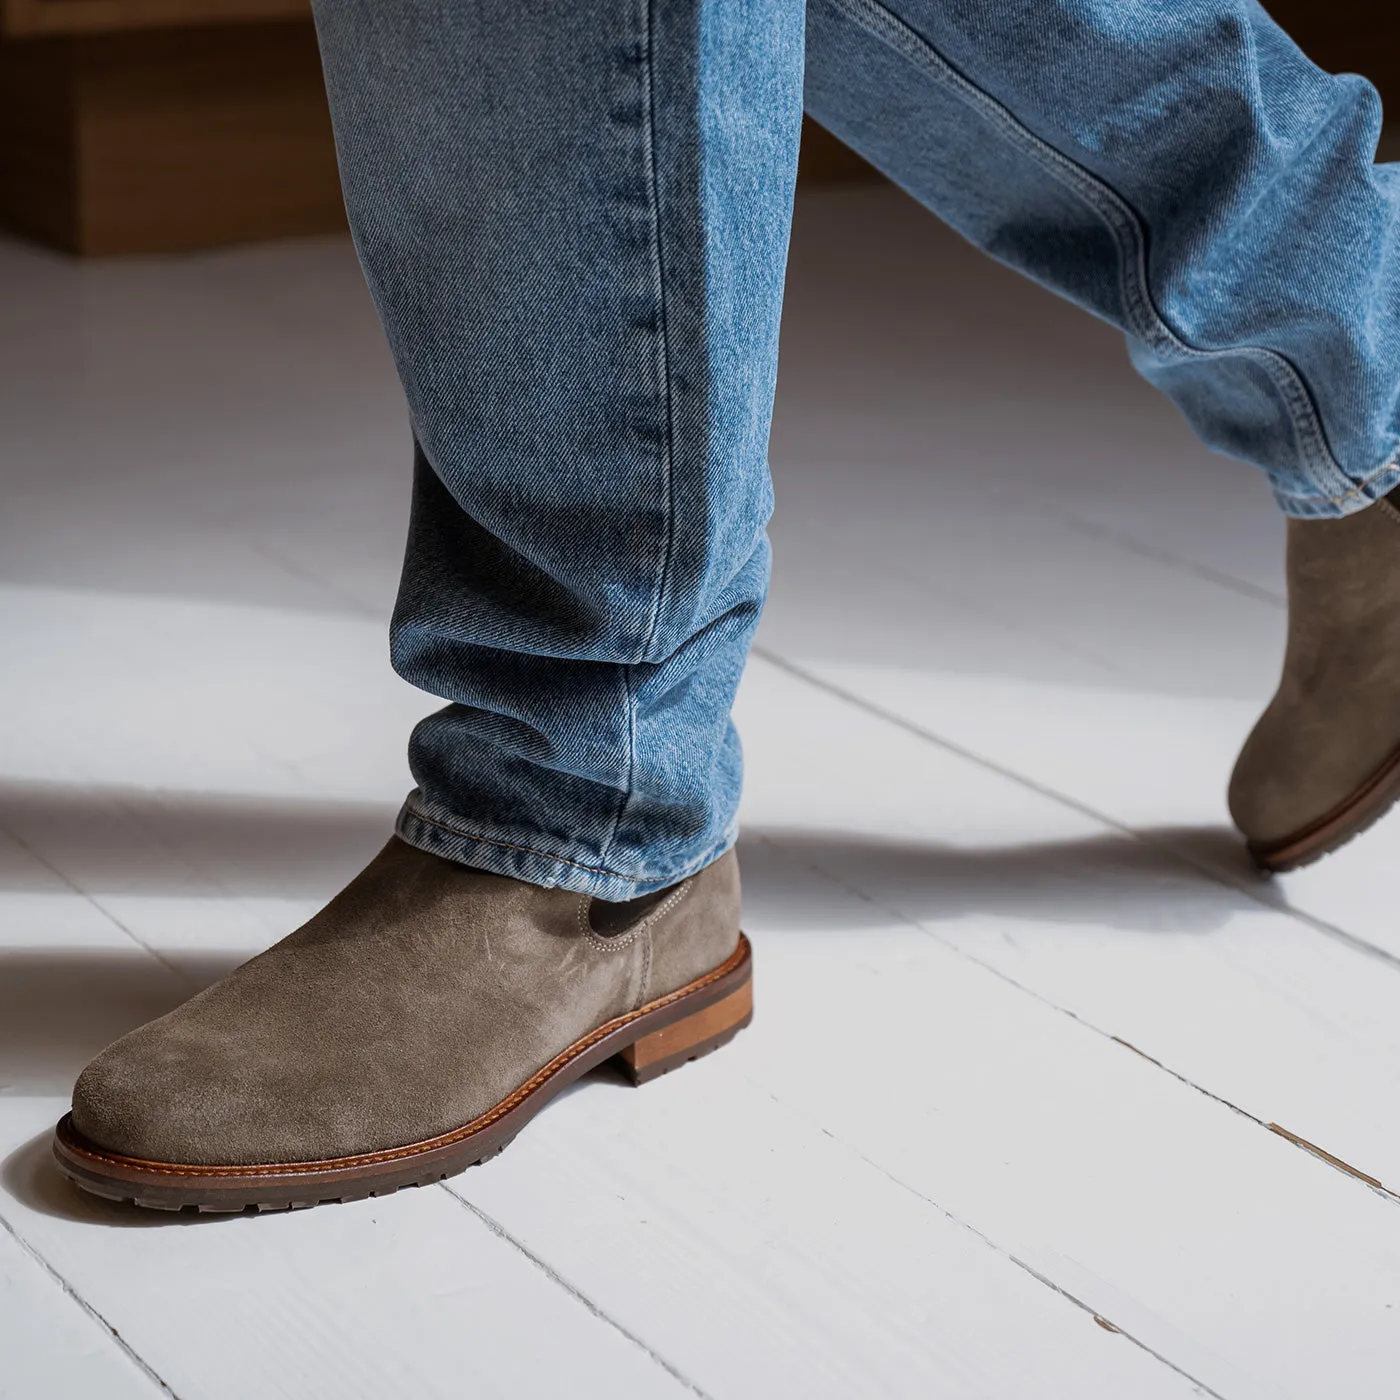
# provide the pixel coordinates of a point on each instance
(1364, 493)
(512, 858)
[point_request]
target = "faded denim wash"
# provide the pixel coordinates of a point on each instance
(574, 220)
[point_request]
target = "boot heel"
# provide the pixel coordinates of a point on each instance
(688, 1038)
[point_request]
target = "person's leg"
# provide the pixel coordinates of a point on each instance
(574, 220)
(1180, 170)
(1184, 172)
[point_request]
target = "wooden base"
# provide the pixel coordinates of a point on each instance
(166, 140)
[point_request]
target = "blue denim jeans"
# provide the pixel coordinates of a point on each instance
(574, 220)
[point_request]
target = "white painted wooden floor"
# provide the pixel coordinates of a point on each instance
(1024, 1109)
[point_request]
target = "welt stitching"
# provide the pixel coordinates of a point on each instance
(1121, 220)
(492, 1115)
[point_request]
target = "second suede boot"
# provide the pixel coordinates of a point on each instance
(1323, 762)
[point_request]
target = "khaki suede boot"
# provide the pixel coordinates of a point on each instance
(1323, 762)
(407, 1031)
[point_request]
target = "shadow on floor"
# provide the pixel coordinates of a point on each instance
(152, 842)
(29, 1176)
(1143, 884)
(140, 842)
(60, 1006)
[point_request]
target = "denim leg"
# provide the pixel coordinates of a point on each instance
(573, 217)
(1180, 169)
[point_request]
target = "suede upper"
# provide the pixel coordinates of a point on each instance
(422, 995)
(1335, 718)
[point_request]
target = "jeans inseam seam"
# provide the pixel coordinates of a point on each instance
(630, 709)
(663, 351)
(664, 395)
(722, 845)
(1123, 222)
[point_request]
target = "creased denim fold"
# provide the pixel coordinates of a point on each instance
(574, 221)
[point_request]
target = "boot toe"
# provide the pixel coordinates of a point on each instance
(1264, 804)
(158, 1095)
(128, 1102)
(1301, 774)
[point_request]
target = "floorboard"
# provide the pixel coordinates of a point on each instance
(1047, 1094)
(51, 1344)
(990, 526)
